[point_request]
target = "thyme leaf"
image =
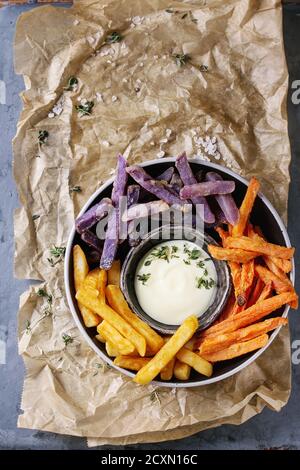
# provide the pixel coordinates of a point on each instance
(67, 339)
(143, 278)
(43, 137)
(72, 84)
(181, 59)
(113, 37)
(75, 189)
(206, 283)
(35, 217)
(203, 68)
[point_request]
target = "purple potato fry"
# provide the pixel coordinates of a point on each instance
(176, 182)
(111, 241)
(188, 178)
(155, 187)
(225, 202)
(133, 194)
(166, 175)
(207, 188)
(92, 240)
(199, 176)
(93, 215)
(120, 181)
(144, 210)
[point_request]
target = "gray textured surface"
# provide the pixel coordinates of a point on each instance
(269, 429)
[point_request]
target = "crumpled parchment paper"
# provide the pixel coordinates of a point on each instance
(234, 88)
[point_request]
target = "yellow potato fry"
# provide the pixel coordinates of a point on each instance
(181, 371)
(169, 350)
(112, 317)
(195, 361)
(113, 274)
(81, 270)
(227, 254)
(222, 341)
(131, 363)
(259, 245)
(81, 267)
(117, 301)
(112, 335)
(91, 281)
(102, 281)
(90, 318)
(251, 314)
(100, 338)
(238, 349)
(246, 207)
(111, 349)
(167, 372)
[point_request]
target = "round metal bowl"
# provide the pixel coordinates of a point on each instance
(263, 214)
(157, 236)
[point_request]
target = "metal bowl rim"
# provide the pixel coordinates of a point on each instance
(82, 329)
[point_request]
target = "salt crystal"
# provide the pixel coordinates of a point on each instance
(105, 143)
(51, 115)
(155, 57)
(168, 132)
(114, 98)
(160, 154)
(76, 22)
(142, 64)
(163, 141)
(99, 97)
(152, 143)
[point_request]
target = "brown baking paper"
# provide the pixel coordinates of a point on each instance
(233, 88)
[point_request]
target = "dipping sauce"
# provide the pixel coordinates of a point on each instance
(174, 280)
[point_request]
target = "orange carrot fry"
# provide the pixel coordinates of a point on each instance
(284, 264)
(227, 312)
(236, 255)
(251, 314)
(222, 341)
(259, 245)
(246, 207)
(246, 281)
(234, 267)
(279, 284)
(256, 292)
(238, 349)
(266, 292)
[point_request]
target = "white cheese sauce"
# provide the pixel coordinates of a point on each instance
(174, 280)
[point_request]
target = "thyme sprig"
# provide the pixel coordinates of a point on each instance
(57, 252)
(85, 109)
(46, 312)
